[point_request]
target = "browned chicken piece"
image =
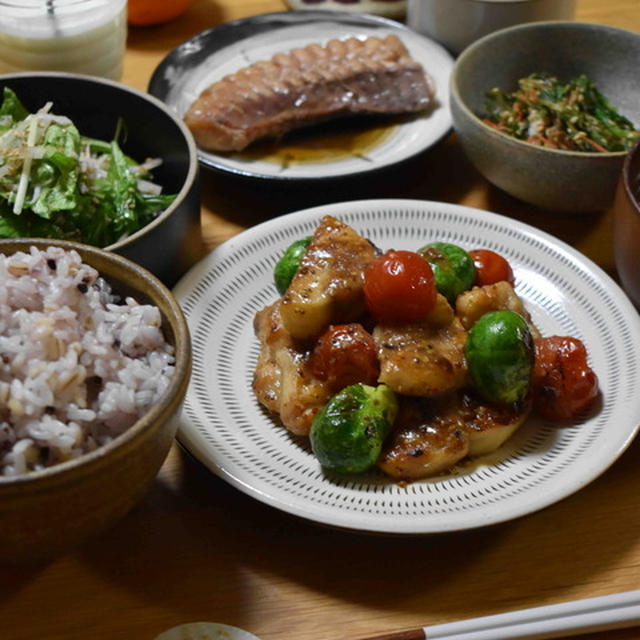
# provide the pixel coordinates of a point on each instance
(308, 85)
(283, 381)
(430, 436)
(425, 359)
(327, 287)
(472, 304)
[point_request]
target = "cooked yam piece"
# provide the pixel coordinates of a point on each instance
(442, 315)
(488, 426)
(308, 85)
(430, 436)
(327, 287)
(473, 304)
(423, 359)
(283, 381)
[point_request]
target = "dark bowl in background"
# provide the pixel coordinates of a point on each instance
(171, 243)
(626, 225)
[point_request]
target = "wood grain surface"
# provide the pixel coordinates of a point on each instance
(196, 549)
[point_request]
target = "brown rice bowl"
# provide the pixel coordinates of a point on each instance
(78, 364)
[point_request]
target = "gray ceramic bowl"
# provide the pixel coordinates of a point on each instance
(549, 178)
(171, 243)
(626, 225)
(47, 512)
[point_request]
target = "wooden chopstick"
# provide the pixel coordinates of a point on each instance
(604, 613)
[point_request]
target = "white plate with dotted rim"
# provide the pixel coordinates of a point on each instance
(226, 429)
(210, 55)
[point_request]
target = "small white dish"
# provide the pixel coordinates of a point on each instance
(226, 429)
(457, 23)
(205, 631)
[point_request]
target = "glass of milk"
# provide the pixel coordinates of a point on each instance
(79, 36)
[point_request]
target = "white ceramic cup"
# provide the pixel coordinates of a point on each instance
(457, 23)
(77, 36)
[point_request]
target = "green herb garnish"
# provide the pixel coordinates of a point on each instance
(574, 116)
(56, 183)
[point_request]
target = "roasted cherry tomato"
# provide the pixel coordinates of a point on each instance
(563, 383)
(344, 355)
(399, 287)
(491, 267)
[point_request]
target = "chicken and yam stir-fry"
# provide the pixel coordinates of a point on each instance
(407, 360)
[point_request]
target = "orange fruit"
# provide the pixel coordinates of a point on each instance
(146, 12)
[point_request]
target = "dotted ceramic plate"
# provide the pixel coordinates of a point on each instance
(226, 429)
(217, 52)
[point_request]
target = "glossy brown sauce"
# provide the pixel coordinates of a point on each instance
(324, 143)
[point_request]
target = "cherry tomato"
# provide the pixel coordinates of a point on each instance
(345, 354)
(399, 287)
(563, 383)
(491, 267)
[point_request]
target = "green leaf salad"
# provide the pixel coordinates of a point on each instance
(574, 116)
(57, 183)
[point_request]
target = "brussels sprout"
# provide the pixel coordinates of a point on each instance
(500, 353)
(452, 267)
(288, 264)
(348, 433)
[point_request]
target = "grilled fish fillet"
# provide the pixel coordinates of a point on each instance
(308, 85)
(328, 286)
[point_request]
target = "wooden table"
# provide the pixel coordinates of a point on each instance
(196, 549)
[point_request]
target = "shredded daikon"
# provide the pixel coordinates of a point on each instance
(26, 167)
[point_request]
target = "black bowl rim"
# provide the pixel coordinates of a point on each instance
(186, 134)
(175, 390)
(505, 138)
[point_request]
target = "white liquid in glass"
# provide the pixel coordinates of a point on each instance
(79, 36)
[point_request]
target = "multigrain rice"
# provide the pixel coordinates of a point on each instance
(78, 364)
